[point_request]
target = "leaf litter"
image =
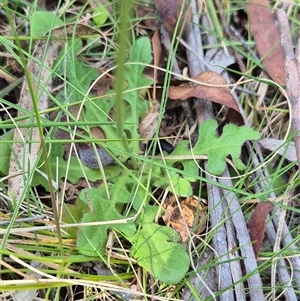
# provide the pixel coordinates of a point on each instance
(140, 226)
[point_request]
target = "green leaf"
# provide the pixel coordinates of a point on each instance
(100, 15)
(182, 187)
(190, 169)
(42, 21)
(92, 240)
(216, 148)
(135, 106)
(98, 112)
(158, 250)
(5, 149)
(72, 214)
(78, 75)
(219, 148)
(139, 53)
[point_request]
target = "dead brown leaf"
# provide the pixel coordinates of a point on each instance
(148, 125)
(192, 214)
(267, 38)
(221, 95)
(256, 225)
(170, 11)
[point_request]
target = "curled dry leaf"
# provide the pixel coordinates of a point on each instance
(267, 38)
(170, 11)
(256, 225)
(221, 95)
(192, 214)
(148, 125)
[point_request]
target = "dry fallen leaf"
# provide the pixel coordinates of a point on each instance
(256, 225)
(267, 38)
(284, 149)
(170, 14)
(148, 125)
(191, 214)
(221, 95)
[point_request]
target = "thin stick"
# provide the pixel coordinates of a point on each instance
(292, 76)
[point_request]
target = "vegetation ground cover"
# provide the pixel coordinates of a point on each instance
(148, 151)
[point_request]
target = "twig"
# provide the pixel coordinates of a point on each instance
(292, 76)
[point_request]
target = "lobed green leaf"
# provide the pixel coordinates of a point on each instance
(217, 149)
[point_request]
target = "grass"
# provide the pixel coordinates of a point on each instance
(42, 255)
